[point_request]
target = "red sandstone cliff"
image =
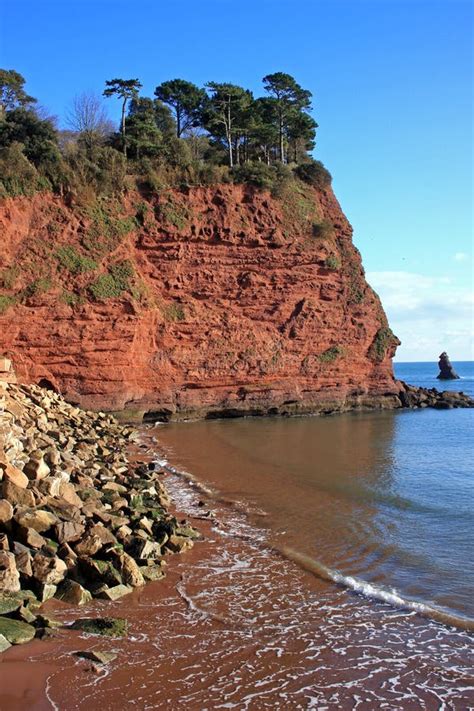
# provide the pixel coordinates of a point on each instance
(239, 302)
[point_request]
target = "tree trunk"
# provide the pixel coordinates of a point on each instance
(229, 135)
(123, 127)
(178, 121)
(282, 150)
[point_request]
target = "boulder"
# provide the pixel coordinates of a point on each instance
(36, 467)
(38, 519)
(97, 656)
(129, 570)
(10, 602)
(72, 592)
(114, 593)
(15, 476)
(9, 575)
(68, 492)
(4, 643)
(67, 531)
(104, 626)
(29, 537)
(17, 495)
(152, 572)
(15, 631)
(46, 591)
(6, 511)
(48, 569)
(23, 559)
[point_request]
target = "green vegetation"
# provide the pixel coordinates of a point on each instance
(114, 283)
(38, 286)
(74, 262)
(69, 298)
(331, 354)
(383, 339)
(173, 312)
(332, 263)
(106, 231)
(8, 277)
(6, 302)
(184, 135)
(323, 230)
(314, 173)
(172, 213)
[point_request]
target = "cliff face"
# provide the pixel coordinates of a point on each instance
(206, 301)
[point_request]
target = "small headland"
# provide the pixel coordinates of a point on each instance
(80, 517)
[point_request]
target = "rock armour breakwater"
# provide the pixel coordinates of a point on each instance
(77, 520)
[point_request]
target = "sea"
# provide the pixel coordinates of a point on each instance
(335, 572)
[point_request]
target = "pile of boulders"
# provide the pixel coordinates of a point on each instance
(77, 520)
(412, 396)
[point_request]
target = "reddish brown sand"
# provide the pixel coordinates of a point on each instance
(235, 625)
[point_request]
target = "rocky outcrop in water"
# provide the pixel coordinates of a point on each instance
(446, 370)
(77, 519)
(415, 397)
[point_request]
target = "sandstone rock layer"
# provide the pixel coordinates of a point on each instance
(243, 303)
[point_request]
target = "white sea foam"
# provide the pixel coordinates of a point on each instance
(374, 592)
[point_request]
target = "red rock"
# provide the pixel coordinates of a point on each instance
(15, 475)
(16, 495)
(242, 315)
(6, 511)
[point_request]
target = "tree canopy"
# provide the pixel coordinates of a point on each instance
(185, 100)
(12, 92)
(182, 133)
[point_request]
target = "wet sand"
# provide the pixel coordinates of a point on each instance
(236, 625)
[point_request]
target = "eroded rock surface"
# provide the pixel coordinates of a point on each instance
(242, 303)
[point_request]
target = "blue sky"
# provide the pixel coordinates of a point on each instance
(392, 86)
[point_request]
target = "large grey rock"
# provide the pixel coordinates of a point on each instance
(104, 626)
(15, 631)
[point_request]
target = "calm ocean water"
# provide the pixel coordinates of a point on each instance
(380, 502)
(328, 536)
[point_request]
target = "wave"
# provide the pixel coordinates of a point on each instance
(374, 592)
(357, 585)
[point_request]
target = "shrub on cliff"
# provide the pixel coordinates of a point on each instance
(331, 354)
(332, 263)
(114, 283)
(383, 339)
(266, 177)
(259, 174)
(314, 173)
(17, 175)
(323, 230)
(74, 262)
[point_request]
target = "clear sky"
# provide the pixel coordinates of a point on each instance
(392, 86)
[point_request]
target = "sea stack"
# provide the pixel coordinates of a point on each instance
(446, 370)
